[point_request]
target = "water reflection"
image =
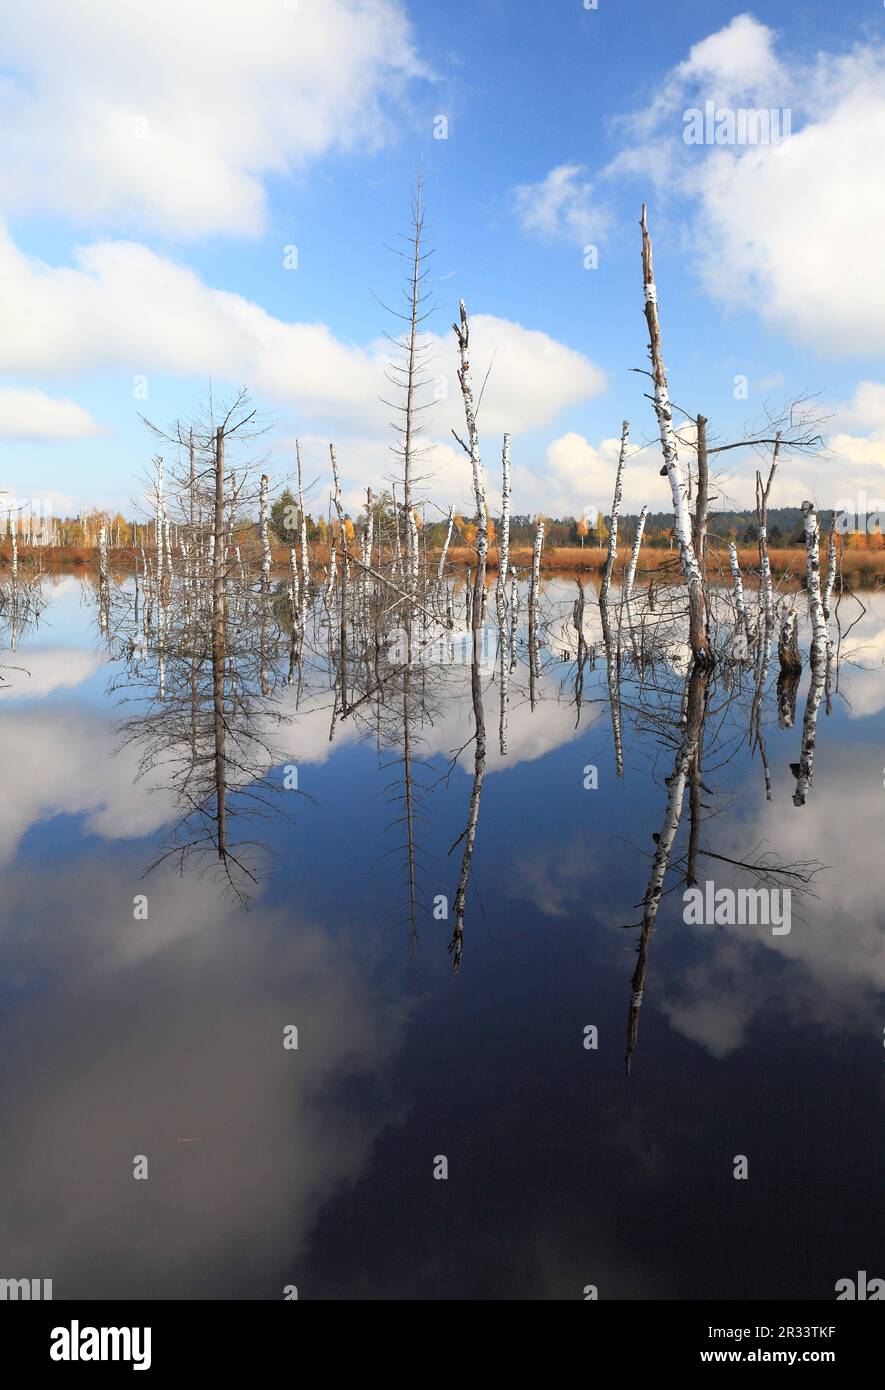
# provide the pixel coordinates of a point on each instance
(317, 1173)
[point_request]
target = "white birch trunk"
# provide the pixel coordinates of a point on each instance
(616, 512)
(462, 333)
(263, 531)
(831, 572)
(305, 559)
(514, 616)
(397, 548)
(634, 555)
(445, 550)
(739, 605)
(534, 598)
(812, 572)
(767, 591)
(678, 487)
(804, 769)
(412, 552)
(504, 546)
(158, 522)
(294, 595)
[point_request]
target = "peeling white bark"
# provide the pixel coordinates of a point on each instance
(634, 555)
(305, 558)
(616, 512)
(678, 487)
(462, 333)
(412, 533)
(739, 605)
(812, 579)
(514, 615)
(504, 545)
(263, 531)
(534, 598)
(831, 572)
(158, 521)
(445, 550)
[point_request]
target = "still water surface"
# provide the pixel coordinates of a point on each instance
(271, 1166)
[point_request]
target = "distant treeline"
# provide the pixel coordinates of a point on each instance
(784, 528)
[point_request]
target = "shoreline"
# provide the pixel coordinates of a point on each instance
(860, 568)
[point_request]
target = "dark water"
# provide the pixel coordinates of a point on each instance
(270, 1166)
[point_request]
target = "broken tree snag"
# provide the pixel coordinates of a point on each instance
(534, 611)
(742, 623)
(504, 544)
(804, 769)
(697, 605)
(788, 653)
(501, 594)
(616, 512)
(305, 558)
(445, 550)
(263, 532)
(790, 659)
(699, 534)
(462, 333)
(634, 555)
(762, 496)
(812, 580)
(831, 569)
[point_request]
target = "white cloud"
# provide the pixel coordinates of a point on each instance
(43, 670)
(28, 414)
(835, 952)
(562, 205)
(738, 61)
(865, 410)
(577, 474)
(173, 1033)
(123, 307)
(793, 229)
(167, 117)
(788, 230)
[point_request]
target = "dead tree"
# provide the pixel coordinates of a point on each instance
(697, 607)
(616, 512)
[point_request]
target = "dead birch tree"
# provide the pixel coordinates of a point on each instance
(697, 607)
(616, 512)
(471, 448)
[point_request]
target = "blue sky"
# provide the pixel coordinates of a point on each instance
(156, 165)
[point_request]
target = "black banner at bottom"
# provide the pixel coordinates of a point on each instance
(88, 1338)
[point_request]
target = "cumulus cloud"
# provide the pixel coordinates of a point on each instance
(793, 228)
(43, 671)
(863, 453)
(28, 414)
(563, 205)
(173, 1033)
(786, 230)
(736, 62)
(122, 306)
(835, 954)
(169, 117)
(577, 474)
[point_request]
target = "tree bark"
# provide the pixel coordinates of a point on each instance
(697, 607)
